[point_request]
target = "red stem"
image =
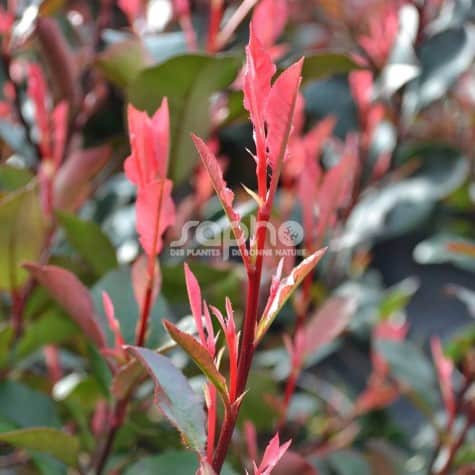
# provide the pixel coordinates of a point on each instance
(216, 14)
(246, 350)
(145, 314)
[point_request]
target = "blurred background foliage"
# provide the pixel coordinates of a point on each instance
(403, 250)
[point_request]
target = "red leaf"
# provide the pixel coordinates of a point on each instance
(155, 213)
(71, 294)
(279, 112)
(269, 19)
(225, 195)
(328, 322)
(293, 462)
(112, 320)
(140, 280)
(37, 94)
(445, 370)
(200, 355)
(284, 290)
(74, 180)
(258, 73)
(60, 131)
(196, 304)
(149, 141)
(273, 453)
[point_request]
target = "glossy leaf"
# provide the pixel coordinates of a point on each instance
(329, 321)
(21, 219)
(188, 82)
(90, 241)
(284, 290)
(59, 444)
(47, 330)
(175, 398)
(323, 65)
(123, 61)
(199, 354)
(71, 294)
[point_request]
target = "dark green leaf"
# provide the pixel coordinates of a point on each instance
(24, 407)
(59, 444)
(90, 241)
(12, 178)
(175, 398)
(121, 62)
(187, 81)
(49, 329)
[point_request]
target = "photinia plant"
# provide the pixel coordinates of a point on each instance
(209, 217)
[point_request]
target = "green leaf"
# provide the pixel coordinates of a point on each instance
(408, 365)
(25, 407)
(255, 406)
(397, 298)
(323, 65)
(6, 339)
(175, 398)
(170, 462)
(100, 369)
(23, 229)
(188, 81)
(118, 285)
(349, 462)
(12, 178)
(90, 241)
(49, 329)
(122, 62)
(59, 444)
(200, 356)
(286, 288)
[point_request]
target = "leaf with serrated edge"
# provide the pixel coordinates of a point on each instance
(200, 356)
(284, 291)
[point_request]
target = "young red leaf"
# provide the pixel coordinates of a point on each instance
(284, 290)
(200, 355)
(140, 280)
(37, 94)
(149, 141)
(445, 369)
(279, 112)
(60, 132)
(196, 303)
(155, 213)
(175, 398)
(112, 320)
(225, 195)
(273, 453)
(258, 73)
(269, 19)
(71, 294)
(74, 181)
(293, 462)
(328, 322)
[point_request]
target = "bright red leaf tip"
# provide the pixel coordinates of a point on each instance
(112, 320)
(196, 304)
(269, 19)
(445, 370)
(149, 141)
(225, 195)
(147, 168)
(273, 453)
(279, 111)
